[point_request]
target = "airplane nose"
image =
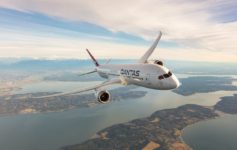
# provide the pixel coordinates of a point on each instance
(175, 83)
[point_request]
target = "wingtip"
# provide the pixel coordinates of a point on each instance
(160, 33)
(147, 54)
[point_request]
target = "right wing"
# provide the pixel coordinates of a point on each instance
(106, 83)
(148, 53)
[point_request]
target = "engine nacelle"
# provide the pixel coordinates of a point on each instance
(157, 62)
(103, 96)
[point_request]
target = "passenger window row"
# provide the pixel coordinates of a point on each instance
(165, 76)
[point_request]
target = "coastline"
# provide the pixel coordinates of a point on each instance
(220, 114)
(166, 132)
(181, 136)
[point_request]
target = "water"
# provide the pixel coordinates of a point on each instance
(49, 131)
(217, 134)
(53, 86)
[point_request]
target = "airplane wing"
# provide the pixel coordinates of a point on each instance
(144, 58)
(76, 91)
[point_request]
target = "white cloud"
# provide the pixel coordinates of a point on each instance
(55, 47)
(192, 24)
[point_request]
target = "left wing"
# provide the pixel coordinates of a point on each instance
(106, 83)
(144, 58)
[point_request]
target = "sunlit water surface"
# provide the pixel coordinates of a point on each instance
(49, 131)
(217, 134)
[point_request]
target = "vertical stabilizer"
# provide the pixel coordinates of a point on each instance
(93, 58)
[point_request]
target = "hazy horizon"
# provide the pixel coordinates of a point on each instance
(192, 30)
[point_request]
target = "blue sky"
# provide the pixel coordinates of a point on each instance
(192, 30)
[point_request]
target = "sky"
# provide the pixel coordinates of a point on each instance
(204, 30)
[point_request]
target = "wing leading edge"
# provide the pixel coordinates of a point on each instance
(148, 53)
(106, 83)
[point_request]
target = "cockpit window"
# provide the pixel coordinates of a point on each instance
(161, 77)
(167, 75)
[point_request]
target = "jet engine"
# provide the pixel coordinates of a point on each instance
(157, 62)
(103, 96)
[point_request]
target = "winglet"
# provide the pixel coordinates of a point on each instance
(144, 58)
(93, 58)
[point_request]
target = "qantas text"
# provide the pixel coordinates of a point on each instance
(130, 72)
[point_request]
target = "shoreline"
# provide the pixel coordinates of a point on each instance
(166, 132)
(220, 114)
(181, 136)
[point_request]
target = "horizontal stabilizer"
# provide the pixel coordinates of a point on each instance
(86, 73)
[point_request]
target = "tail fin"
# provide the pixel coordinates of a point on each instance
(93, 58)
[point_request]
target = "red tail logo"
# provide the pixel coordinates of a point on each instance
(93, 58)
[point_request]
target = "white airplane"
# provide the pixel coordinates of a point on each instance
(146, 73)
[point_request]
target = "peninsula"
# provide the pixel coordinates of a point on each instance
(161, 130)
(24, 103)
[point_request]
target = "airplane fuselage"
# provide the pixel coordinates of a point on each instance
(146, 73)
(152, 76)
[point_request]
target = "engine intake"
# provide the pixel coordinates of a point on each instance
(103, 96)
(157, 62)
